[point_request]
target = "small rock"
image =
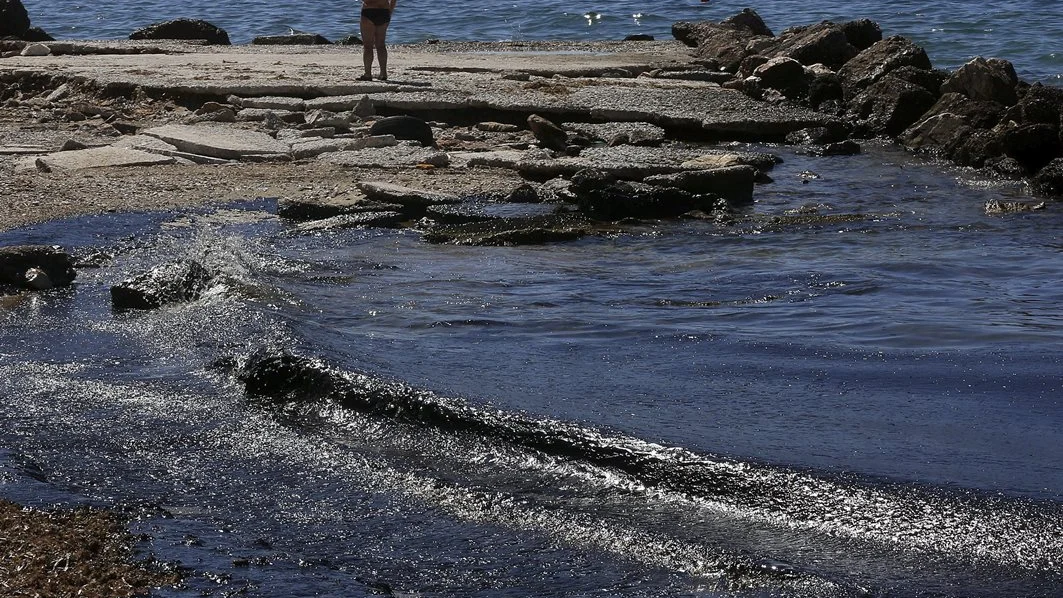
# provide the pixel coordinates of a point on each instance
(71, 145)
(36, 50)
(60, 92)
(549, 134)
(364, 107)
(494, 127)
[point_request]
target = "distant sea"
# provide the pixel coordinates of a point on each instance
(1027, 32)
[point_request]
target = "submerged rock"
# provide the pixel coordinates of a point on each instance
(28, 266)
(173, 283)
(512, 231)
(383, 219)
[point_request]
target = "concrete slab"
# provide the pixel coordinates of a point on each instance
(97, 157)
(219, 141)
(399, 156)
(274, 103)
(22, 150)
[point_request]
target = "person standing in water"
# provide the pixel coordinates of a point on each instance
(376, 16)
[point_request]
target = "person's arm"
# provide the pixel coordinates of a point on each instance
(393, 5)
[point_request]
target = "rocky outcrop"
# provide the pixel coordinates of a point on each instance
(186, 29)
(165, 285)
(727, 44)
(878, 60)
(35, 267)
(14, 20)
(825, 43)
(889, 106)
(1049, 180)
(603, 197)
(992, 80)
(295, 39)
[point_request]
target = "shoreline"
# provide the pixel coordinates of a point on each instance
(103, 93)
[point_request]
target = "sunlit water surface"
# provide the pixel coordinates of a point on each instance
(868, 402)
(1027, 32)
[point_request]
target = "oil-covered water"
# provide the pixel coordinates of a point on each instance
(859, 396)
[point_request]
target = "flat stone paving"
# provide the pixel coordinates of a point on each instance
(451, 77)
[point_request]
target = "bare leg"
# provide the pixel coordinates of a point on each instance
(380, 35)
(368, 43)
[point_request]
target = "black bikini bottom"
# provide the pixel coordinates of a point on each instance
(377, 16)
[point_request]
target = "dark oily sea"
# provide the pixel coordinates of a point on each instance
(1027, 32)
(861, 405)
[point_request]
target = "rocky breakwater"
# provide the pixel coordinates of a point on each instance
(981, 115)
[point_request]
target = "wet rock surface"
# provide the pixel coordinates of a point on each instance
(35, 267)
(165, 285)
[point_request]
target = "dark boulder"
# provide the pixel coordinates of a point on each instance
(861, 34)
(183, 29)
(295, 39)
(17, 261)
(405, 127)
(749, 20)
(975, 147)
(524, 193)
(36, 34)
(1034, 146)
(733, 183)
(976, 113)
(784, 74)
(981, 79)
(174, 283)
(812, 136)
(549, 134)
(930, 80)
(877, 61)
(1039, 104)
(889, 106)
(825, 92)
(1006, 166)
(638, 37)
(946, 125)
(14, 20)
(725, 45)
(1049, 180)
(602, 197)
(937, 134)
(824, 43)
